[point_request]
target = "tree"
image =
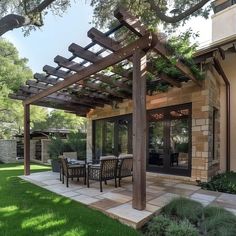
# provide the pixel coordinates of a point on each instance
(58, 119)
(13, 72)
(28, 13)
(151, 12)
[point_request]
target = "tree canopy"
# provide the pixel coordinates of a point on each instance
(30, 14)
(13, 73)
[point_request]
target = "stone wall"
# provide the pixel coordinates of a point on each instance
(44, 150)
(203, 100)
(8, 151)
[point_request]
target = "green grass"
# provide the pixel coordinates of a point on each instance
(26, 209)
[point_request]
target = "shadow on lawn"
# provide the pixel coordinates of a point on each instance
(26, 209)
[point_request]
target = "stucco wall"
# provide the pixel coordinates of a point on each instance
(223, 24)
(203, 99)
(230, 70)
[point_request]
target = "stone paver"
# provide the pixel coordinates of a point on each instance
(117, 202)
(126, 211)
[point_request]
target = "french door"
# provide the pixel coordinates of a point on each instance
(169, 140)
(112, 136)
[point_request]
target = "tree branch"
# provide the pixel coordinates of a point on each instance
(179, 17)
(13, 21)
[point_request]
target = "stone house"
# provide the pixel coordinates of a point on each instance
(191, 130)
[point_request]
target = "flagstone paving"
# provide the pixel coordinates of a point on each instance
(117, 202)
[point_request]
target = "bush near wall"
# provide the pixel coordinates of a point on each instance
(187, 217)
(225, 182)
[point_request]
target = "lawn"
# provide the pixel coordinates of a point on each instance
(26, 209)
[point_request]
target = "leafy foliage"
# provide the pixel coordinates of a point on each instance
(218, 221)
(184, 208)
(187, 217)
(58, 119)
(77, 142)
(103, 10)
(181, 228)
(225, 182)
(13, 72)
(56, 147)
(158, 225)
(32, 11)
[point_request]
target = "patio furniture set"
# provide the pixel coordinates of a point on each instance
(108, 168)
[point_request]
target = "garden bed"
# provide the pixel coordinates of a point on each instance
(225, 183)
(187, 217)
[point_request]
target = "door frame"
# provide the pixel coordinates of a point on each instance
(114, 119)
(167, 169)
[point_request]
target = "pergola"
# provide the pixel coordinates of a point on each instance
(106, 71)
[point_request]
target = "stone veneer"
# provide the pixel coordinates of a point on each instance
(203, 100)
(8, 151)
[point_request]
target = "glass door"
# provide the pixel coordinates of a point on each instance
(112, 136)
(169, 140)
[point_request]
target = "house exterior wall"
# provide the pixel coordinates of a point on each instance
(203, 100)
(229, 67)
(223, 24)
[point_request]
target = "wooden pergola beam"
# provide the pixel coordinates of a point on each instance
(54, 97)
(56, 72)
(145, 42)
(50, 102)
(92, 96)
(66, 63)
(139, 29)
(106, 42)
(80, 52)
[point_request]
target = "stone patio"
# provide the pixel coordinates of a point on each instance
(117, 202)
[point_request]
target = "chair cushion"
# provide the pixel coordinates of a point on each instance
(107, 157)
(123, 156)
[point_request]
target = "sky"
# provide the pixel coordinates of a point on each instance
(53, 39)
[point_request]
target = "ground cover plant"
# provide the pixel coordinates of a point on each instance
(26, 209)
(187, 217)
(225, 182)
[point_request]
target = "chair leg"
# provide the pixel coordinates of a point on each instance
(100, 185)
(119, 182)
(78, 179)
(63, 179)
(67, 182)
(60, 173)
(115, 183)
(105, 182)
(85, 179)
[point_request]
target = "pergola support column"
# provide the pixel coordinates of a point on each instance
(139, 130)
(27, 139)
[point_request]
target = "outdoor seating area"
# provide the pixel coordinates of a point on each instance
(108, 168)
(117, 202)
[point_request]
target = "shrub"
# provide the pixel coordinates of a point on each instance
(184, 208)
(157, 226)
(218, 221)
(181, 228)
(222, 183)
(56, 147)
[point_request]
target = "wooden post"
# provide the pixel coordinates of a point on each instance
(139, 130)
(27, 139)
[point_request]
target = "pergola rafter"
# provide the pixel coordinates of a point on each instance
(89, 79)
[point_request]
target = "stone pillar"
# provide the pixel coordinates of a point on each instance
(89, 139)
